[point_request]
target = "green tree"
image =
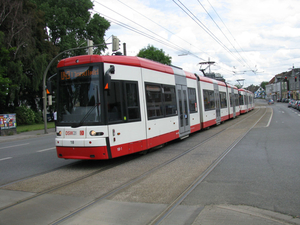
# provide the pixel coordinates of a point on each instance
(32, 33)
(263, 84)
(155, 54)
(4, 80)
(252, 88)
(70, 24)
(27, 43)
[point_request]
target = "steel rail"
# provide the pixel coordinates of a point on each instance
(144, 175)
(163, 215)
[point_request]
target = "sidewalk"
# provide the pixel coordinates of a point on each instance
(137, 213)
(26, 135)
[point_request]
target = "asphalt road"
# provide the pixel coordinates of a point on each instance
(27, 157)
(262, 171)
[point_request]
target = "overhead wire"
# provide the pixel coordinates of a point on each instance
(201, 25)
(161, 40)
(158, 25)
(228, 32)
(164, 41)
(223, 33)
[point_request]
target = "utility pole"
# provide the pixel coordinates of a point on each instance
(89, 44)
(124, 49)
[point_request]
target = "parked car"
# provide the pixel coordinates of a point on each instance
(298, 105)
(294, 105)
(291, 102)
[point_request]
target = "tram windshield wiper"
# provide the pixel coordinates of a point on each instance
(86, 115)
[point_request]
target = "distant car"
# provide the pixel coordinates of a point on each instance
(291, 102)
(271, 101)
(294, 105)
(298, 105)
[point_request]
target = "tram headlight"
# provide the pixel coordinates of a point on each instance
(94, 133)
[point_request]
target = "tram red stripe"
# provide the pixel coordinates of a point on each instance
(82, 152)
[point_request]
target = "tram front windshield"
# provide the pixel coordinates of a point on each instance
(79, 96)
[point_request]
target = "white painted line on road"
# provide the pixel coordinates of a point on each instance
(14, 146)
(5, 158)
(47, 149)
(270, 119)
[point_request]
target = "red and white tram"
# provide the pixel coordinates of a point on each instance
(234, 101)
(246, 100)
(110, 106)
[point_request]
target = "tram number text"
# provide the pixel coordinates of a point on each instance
(70, 132)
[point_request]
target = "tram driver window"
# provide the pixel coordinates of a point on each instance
(132, 101)
(114, 102)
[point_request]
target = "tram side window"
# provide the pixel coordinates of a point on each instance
(236, 98)
(192, 100)
(154, 101)
(170, 100)
(231, 99)
(114, 104)
(209, 100)
(223, 99)
(241, 97)
(132, 101)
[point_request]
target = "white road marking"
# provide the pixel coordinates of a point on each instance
(5, 158)
(47, 149)
(14, 146)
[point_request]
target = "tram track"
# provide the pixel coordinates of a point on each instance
(174, 204)
(133, 181)
(56, 187)
(171, 207)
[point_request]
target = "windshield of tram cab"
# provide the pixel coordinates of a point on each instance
(79, 96)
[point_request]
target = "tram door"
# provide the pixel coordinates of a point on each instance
(218, 104)
(183, 111)
(233, 102)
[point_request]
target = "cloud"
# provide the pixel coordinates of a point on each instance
(256, 35)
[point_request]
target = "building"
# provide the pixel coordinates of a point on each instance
(260, 93)
(284, 85)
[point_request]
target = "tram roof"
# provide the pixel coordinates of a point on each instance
(121, 60)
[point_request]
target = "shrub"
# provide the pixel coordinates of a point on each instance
(25, 115)
(38, 117)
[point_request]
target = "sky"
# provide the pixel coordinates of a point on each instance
(249, 40)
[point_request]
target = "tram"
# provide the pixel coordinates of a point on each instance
(111, 106)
